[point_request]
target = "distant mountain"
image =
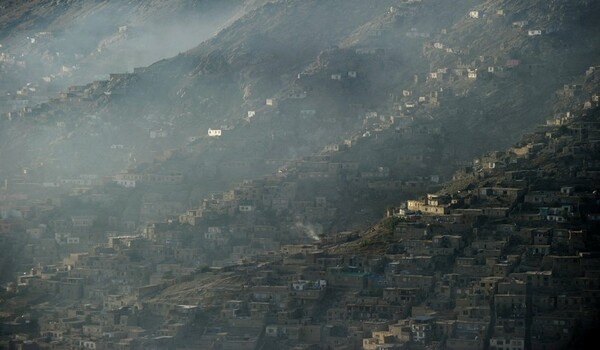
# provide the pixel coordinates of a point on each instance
(290, 77)
(47, 46)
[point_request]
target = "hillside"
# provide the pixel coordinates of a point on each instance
(563, 152)
(340, 174)
(47, 46)
(416, 69)
(523, 230)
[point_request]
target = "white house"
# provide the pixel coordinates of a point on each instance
(472, 74)
(214, 132)
(474, 14)
(332, 148)
(534, 32)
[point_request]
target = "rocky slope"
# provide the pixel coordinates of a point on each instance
(563, 152)
(332, 70)
(46, 46)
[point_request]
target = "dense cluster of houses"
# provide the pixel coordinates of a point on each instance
(506, 261)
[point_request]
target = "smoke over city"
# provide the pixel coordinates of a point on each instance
(299, 174)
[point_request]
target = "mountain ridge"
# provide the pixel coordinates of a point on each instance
(186, 95)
